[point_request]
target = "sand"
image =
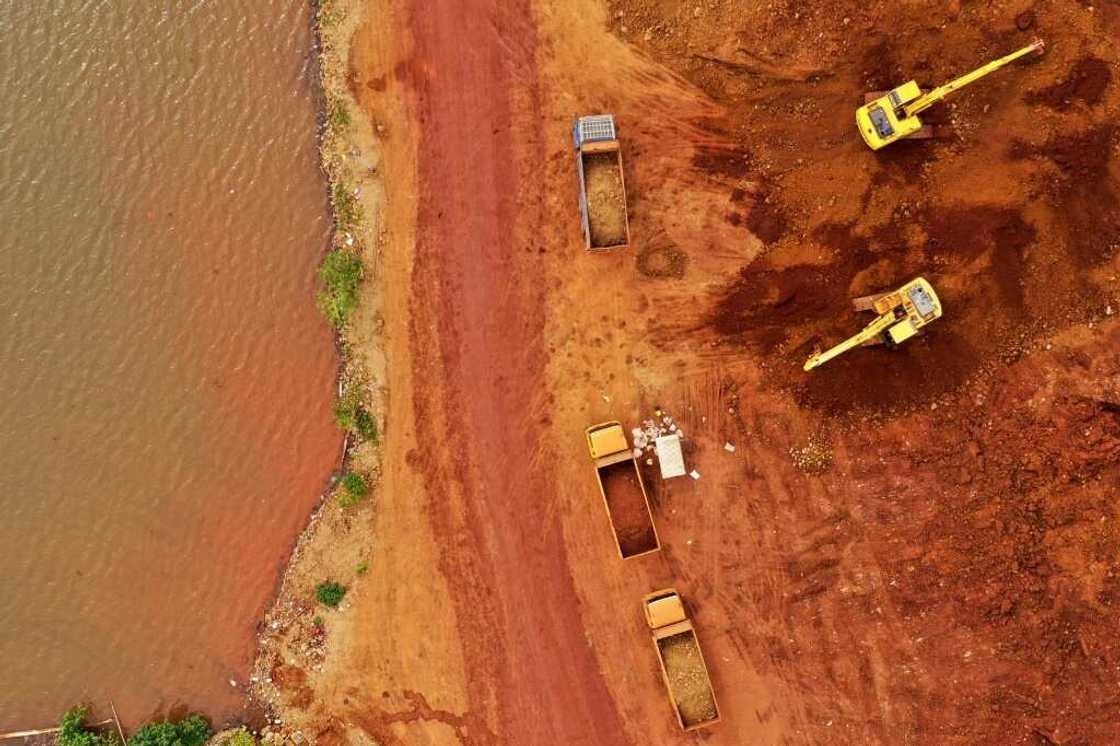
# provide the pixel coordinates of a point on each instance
(606, 200)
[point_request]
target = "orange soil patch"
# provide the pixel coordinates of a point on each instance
(916, 546)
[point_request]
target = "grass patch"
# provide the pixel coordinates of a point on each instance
(190, 731)
(362, 568)
(74, 733)
(338, 115)
(241, 737)
(346, 209)
(330, 593)
(351, 415)
(341, 273)
(355, 487)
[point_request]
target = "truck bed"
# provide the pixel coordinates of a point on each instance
(688, 681)
(606, 198)
(627, 506)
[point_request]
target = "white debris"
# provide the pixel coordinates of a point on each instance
(670, 457)
(606, 398)
(637, 453)
(694, 474)
(233, 683)
(729, 447)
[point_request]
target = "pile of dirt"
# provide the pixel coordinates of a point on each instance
(606, 199)
(688, 680)
(627, 507)
(1086, 84)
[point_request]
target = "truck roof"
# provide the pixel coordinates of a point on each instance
(664, 608)
(606, 439)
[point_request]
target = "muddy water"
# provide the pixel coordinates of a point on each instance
(165, 381)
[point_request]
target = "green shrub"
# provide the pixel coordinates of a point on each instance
(354, 488)
(366, 425)
(341, 273)
(362, 568)
(346, 208)
(351, 415)
(241, 737)
(73, 731)
(191, 731)
(330, 593)
(337, 113)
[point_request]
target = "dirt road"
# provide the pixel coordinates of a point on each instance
(915, 547)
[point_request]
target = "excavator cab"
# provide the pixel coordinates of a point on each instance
(883, 120)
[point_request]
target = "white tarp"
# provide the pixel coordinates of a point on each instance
(669, 456)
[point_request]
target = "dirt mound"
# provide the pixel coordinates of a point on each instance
(1085, 84)
(688, 679)
(606, 200)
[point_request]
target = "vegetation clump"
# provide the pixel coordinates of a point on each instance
(73, 731)
(352, 415)
(330, 593)
(241, 737)
(354, 489)
(191, 731)
(341, 273)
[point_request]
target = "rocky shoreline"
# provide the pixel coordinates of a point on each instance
(293, 635)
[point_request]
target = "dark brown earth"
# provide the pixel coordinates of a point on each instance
(628, 510)
(908, 547)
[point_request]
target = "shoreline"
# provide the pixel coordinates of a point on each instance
(292, 627)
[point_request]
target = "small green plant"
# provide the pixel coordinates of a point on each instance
(341, 273)
(73, 732)
(330, 593)
(354, 488)
(317, 620)
(351, 415)
(337, 113)
(346, 209)
(362, 568)
(190, 731)
(241, 737)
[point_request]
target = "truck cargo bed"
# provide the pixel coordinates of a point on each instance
(606, 199)
(629, 511)
(687, 678)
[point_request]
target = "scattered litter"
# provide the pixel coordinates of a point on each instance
(233, 683)
(729, 447)
(694, 474)
(637, 453)
(649, 462)
(606, 398)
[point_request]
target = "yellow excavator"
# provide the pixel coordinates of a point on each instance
(902, 313)
(889, 117)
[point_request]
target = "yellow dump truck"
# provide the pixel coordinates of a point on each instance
(624, 494)
(682, 663)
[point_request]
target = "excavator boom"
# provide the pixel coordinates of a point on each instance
(872, 330)
(929, 99)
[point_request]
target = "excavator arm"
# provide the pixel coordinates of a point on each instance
(929, 99)
(869, 332)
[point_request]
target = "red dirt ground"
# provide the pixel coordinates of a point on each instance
(909, 547)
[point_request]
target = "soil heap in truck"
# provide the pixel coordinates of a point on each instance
(682, 663)
(624, 494)
(602, 189)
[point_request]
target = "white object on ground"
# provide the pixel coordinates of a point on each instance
(670, 457)
(729, 448)
(694, 474)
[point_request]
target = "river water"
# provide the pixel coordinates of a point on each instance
(165, 379)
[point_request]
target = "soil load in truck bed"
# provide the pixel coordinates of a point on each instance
(688, 679)
(627, 505)
(606, 198)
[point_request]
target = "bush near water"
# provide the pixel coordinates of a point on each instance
(191, 731)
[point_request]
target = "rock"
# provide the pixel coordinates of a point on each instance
(1025, 20)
